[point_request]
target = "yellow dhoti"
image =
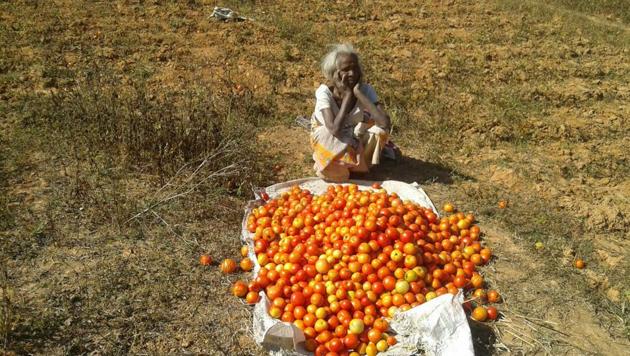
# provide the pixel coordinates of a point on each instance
(336, 157)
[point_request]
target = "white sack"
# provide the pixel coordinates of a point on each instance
(437, 327)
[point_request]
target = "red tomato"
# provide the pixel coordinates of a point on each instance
(459, 281)
(492, 313)
(335, 345)
(392, 233)
(298, 299)
(351, 341)
(383, 240)
(407, 236)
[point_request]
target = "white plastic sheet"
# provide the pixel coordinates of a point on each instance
(437, 327)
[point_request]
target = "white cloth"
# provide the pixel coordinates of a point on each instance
(324, 99)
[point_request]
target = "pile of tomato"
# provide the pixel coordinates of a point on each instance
(340, 264)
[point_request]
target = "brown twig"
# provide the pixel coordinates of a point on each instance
(223, 172)
(173, 231)
(543, 323)
(513, 329)
(531, 318)
(518, 337)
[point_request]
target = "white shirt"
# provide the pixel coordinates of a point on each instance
(324, 100)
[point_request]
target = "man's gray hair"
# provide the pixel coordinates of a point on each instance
(329, 62)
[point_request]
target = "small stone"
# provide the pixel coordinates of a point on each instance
(568, 252)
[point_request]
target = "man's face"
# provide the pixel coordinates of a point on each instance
(348, 69)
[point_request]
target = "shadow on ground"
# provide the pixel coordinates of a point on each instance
(483, 338)
(409, 170)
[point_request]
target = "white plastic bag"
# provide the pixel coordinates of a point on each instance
(437, 327)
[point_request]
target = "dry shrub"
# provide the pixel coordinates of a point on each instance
(115, 137)
(152, 131)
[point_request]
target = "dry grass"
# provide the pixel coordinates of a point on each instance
(133, 132)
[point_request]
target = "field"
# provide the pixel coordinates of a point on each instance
(132, 133)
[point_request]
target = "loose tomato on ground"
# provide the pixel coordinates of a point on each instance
(494, 296)
(205, 260)
(228, 265)
(579, 263)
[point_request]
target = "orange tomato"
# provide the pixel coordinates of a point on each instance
(381, 324)
(275, 312)
(205, 260)
(493, 296)
(228, 266)
(252, 297)
(476, 259)
(477, 281)
(351, 341)
(309, 319)
(480, 314)
(246, 264)
(579, 263)
(480, 295)
(310, 345)
(374, 335)
(239, 289)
